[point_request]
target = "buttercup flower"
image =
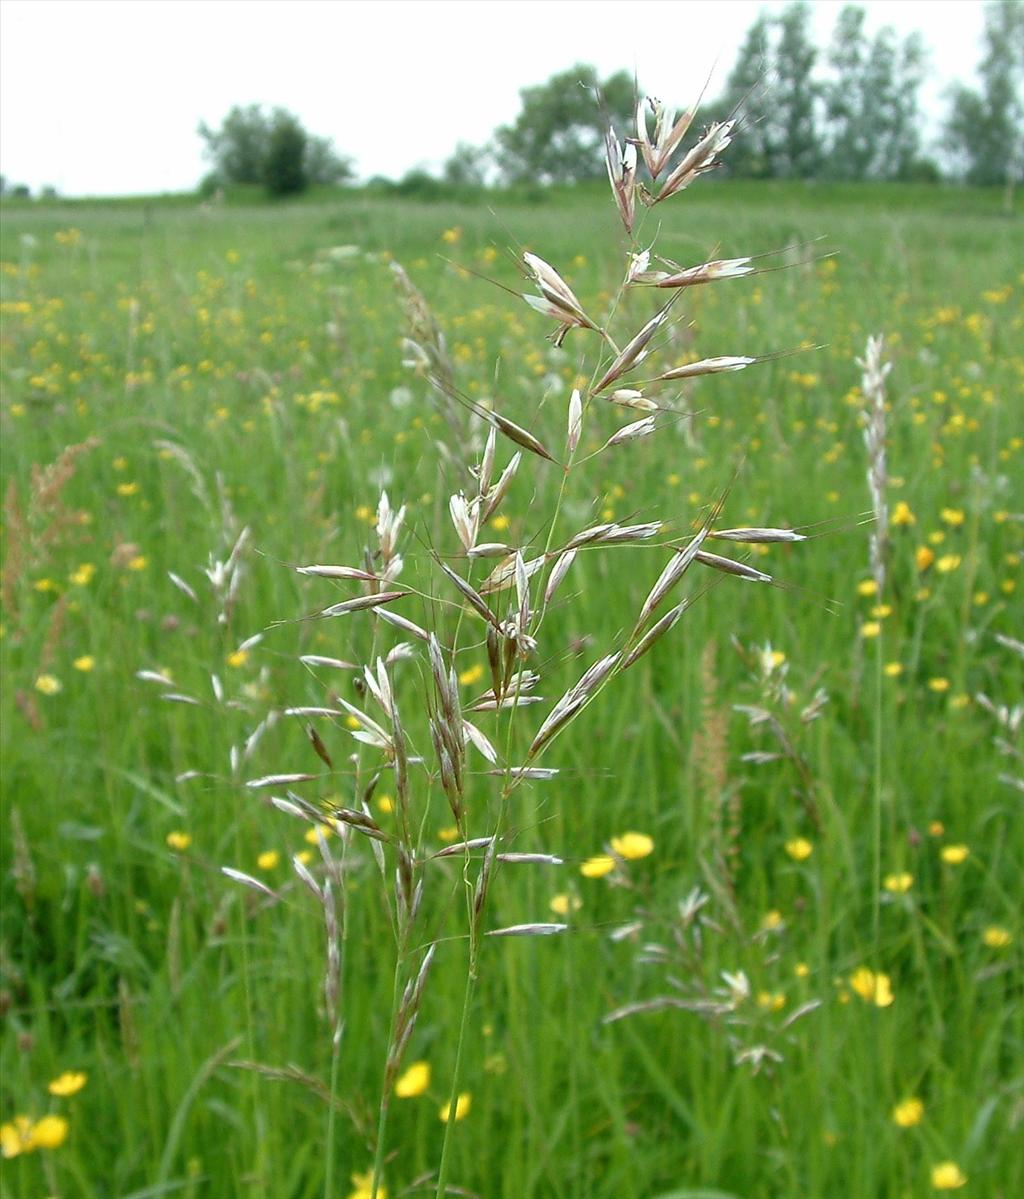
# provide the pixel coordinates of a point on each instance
(799, 849)
(598, 867)
(871, 987)
(68, 1083)
(947, 1176)
(462, 1106)
(632, 846)
(414, 1081)
(908, 1113)
(898, 884)
(954, 855)
(50, 1132)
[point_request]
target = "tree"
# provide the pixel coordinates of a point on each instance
(794, 96)
(251, 147)
(284, 168)
(871, 102)
(324, 165)
(468, 166)
(238, 149)
(985, 129)
(746, 94)
(558, 136)
(772, 90)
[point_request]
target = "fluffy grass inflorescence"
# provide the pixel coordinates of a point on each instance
(478, 608)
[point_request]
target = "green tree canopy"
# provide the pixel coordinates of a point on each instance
(558, 136)
(985, 130)
(871, 102)
(253, 147)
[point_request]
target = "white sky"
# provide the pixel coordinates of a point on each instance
(103, 97)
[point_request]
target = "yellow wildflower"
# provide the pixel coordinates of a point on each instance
(954, 855)
(771, 1001)
(772, 921)
(867, 587)
(16, 1137)
(268, 859)
(68, 1083)
(952, 516)
(632, 846)
(139, 562)
(870, 628)
(462, 1106)
(924, 557)
(898, 884)
(49, 1133)
(938, 685)
(238, 658)
(82, 576)
(892, 670)
(799, 849)
(85, 663)
(908, 1113)
(363, 1186)
(947, 1176)
(598, 867)
(471, 675)
(562, 905)
(414, 1081)
(127, 489)
(902, 515)
(179, 841)
(947, 563)
(871, 987)
(996, 937)
(47, 684)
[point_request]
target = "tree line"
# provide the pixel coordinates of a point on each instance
(848, 111)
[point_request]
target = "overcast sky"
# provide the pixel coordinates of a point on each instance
(103, 97)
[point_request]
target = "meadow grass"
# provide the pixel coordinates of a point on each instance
(272, 360)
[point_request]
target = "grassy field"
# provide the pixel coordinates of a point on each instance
(843, 1010)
